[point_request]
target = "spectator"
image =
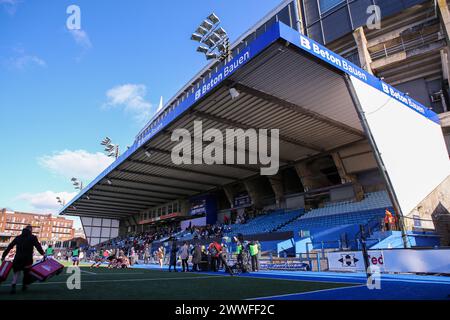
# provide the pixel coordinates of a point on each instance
(184, 255)
(254, 256)
(146, 254)
(196, 257)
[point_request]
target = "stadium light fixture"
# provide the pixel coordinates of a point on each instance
(221, 32)
(202, 31)
(213, 18)
(234, 93)
(196, 37)
(207, 25)
(210, 56)
(106, 141)
(112, 150)
(148, 154)
(209, 42)
(61, 202)
(203, 49)
(214, 36)
(109, 182)
(78, 185)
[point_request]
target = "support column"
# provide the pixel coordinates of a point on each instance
(363, 51)
(310, 176)
(348, 178)
(184, 207)
(445, 64)
(445, 16)
(445, 20)
(229, 193)
(252, 189)
(276, 182)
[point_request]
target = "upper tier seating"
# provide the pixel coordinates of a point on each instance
(343, 213)
(265, 223)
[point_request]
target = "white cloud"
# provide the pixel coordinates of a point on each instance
(21, 60)
(10, 6)
(79, 163)
(45, 202)
(81, 38)
(132, 98)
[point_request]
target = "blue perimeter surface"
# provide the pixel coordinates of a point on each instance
(393, 287)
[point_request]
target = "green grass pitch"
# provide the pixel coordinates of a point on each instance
(121, 284)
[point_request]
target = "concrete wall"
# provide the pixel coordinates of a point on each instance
(436, 207)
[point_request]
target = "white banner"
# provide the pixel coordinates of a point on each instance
(402, 260)
(354, 260)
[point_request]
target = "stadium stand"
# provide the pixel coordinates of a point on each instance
(343, 213)
(266, 223)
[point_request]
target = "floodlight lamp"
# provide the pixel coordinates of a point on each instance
(73, 179)
(209, 42)
(148, 154)
(221, 32)
(210, 56)
(201, 31)
(105, 141)
(213, 18)
(215, 37)
(222, 47)
(206, 25)
(203, 49)
(196, 37)
(109, 182)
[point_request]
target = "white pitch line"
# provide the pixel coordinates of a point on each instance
(298, 279)
(305, 292)
(127, 280)
(88, 272)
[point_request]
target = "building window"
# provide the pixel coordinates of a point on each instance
(326, 5)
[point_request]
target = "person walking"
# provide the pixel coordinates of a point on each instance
(23, 260)
(184, 255)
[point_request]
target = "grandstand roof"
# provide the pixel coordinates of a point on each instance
(281, 84)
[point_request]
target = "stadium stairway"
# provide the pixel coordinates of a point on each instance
(394, 240)
(336, 225)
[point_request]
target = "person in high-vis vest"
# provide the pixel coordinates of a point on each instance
(239, 252)
(76, 256)
(254, 255)
(50, 252)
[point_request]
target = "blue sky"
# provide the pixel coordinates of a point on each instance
(62, 91)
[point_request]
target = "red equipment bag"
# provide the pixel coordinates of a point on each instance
(46, 269)
(5, 269)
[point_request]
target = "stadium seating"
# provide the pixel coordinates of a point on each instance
(265, 223)
(343, 213)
